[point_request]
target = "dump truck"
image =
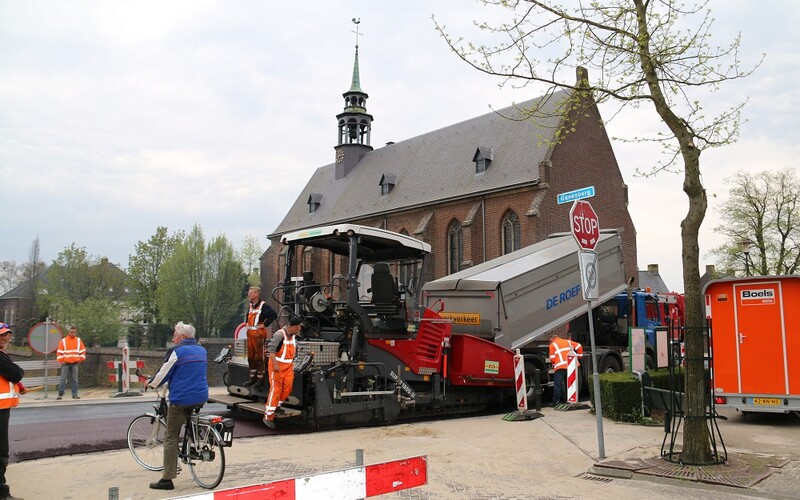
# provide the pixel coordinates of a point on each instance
(515, 300)
(634, 309)
(755, 338)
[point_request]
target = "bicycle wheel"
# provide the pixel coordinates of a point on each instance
(206, 457)
(146, 441)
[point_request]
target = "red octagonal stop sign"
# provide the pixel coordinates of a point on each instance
(584, 224)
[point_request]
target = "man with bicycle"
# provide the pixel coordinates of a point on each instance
(184, 370)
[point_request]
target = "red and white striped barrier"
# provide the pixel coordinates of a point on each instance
(122, 375)
(572, 379)
(347, 484)
(519, 378)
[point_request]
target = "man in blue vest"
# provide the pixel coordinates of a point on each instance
(184, 369)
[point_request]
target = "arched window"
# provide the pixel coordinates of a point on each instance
(511, 238)
(455, 247)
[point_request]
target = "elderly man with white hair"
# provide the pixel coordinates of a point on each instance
(184, 369)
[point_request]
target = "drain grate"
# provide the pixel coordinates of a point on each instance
(730, 477)
(741, 471)
(599, 479)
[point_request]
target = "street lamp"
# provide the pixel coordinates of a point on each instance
(745, 245)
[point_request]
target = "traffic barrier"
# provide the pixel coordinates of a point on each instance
(519, 378)
(347, 484)
(122, 375)
(572, 379)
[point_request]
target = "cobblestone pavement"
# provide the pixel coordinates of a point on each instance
(553, 457)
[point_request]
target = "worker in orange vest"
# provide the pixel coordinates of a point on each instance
(282, 349)
(259, 316)
(71, 352)
(10, 375)
(560, 349)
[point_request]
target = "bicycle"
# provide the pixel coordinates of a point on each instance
(201, 448)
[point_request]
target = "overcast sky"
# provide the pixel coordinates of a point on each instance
(119, 117)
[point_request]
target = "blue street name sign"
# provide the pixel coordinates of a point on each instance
(578, 194)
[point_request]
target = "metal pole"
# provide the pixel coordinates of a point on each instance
(46, 351)
(598, 406)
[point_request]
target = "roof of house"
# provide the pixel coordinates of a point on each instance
(435, 166)
(652, 280)
(23, 290)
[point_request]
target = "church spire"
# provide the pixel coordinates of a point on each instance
(354, 123)
(355, 86)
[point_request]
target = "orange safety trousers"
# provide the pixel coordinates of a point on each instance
(255, 352)
(280, 386)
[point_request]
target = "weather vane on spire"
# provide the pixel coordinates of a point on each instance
(357, 22)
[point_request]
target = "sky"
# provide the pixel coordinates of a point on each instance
(119, 117)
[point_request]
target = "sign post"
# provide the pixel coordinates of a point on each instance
(43, 338)
(585, 227)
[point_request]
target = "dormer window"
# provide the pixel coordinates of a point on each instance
(387, 183)
(314, 201)
(482, 158)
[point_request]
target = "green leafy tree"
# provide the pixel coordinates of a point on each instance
(143, 272)
(657, 54)
(249, 255)
(762, 224)
(88, 293)
(201, 283)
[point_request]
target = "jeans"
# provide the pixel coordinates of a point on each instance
(68, 370)
(559, 386)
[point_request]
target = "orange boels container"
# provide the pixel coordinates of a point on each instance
(755, 328)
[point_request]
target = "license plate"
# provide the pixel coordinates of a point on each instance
(767, 401)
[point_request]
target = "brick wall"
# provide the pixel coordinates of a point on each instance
(94, 371)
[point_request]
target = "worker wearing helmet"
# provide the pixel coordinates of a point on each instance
(281, 350)
(560, 349)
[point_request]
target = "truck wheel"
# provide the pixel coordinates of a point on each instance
(649, 362)
(610, 365)
(530, 375)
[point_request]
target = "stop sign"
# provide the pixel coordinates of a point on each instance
(584, 224)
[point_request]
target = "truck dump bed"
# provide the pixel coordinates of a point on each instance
(517, 298)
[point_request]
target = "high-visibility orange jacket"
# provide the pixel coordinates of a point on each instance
(71, 350)
(9, 394)
(560, 349)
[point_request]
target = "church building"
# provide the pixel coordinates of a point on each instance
(473, 190)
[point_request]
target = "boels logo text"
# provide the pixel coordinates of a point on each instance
(758, 296)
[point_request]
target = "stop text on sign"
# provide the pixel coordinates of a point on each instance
(584, 225)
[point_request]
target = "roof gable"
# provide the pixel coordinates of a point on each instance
(436, 166)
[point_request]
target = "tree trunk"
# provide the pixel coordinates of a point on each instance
(696, 438)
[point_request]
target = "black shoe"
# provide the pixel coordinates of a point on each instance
(60, 396)
(76, 397)
(279, 411)
(269, 423)
(163, 484)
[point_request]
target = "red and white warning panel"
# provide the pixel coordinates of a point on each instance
(572, 379)
(519, 378)
(347, 484)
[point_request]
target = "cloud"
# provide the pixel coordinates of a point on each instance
(119, 117)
